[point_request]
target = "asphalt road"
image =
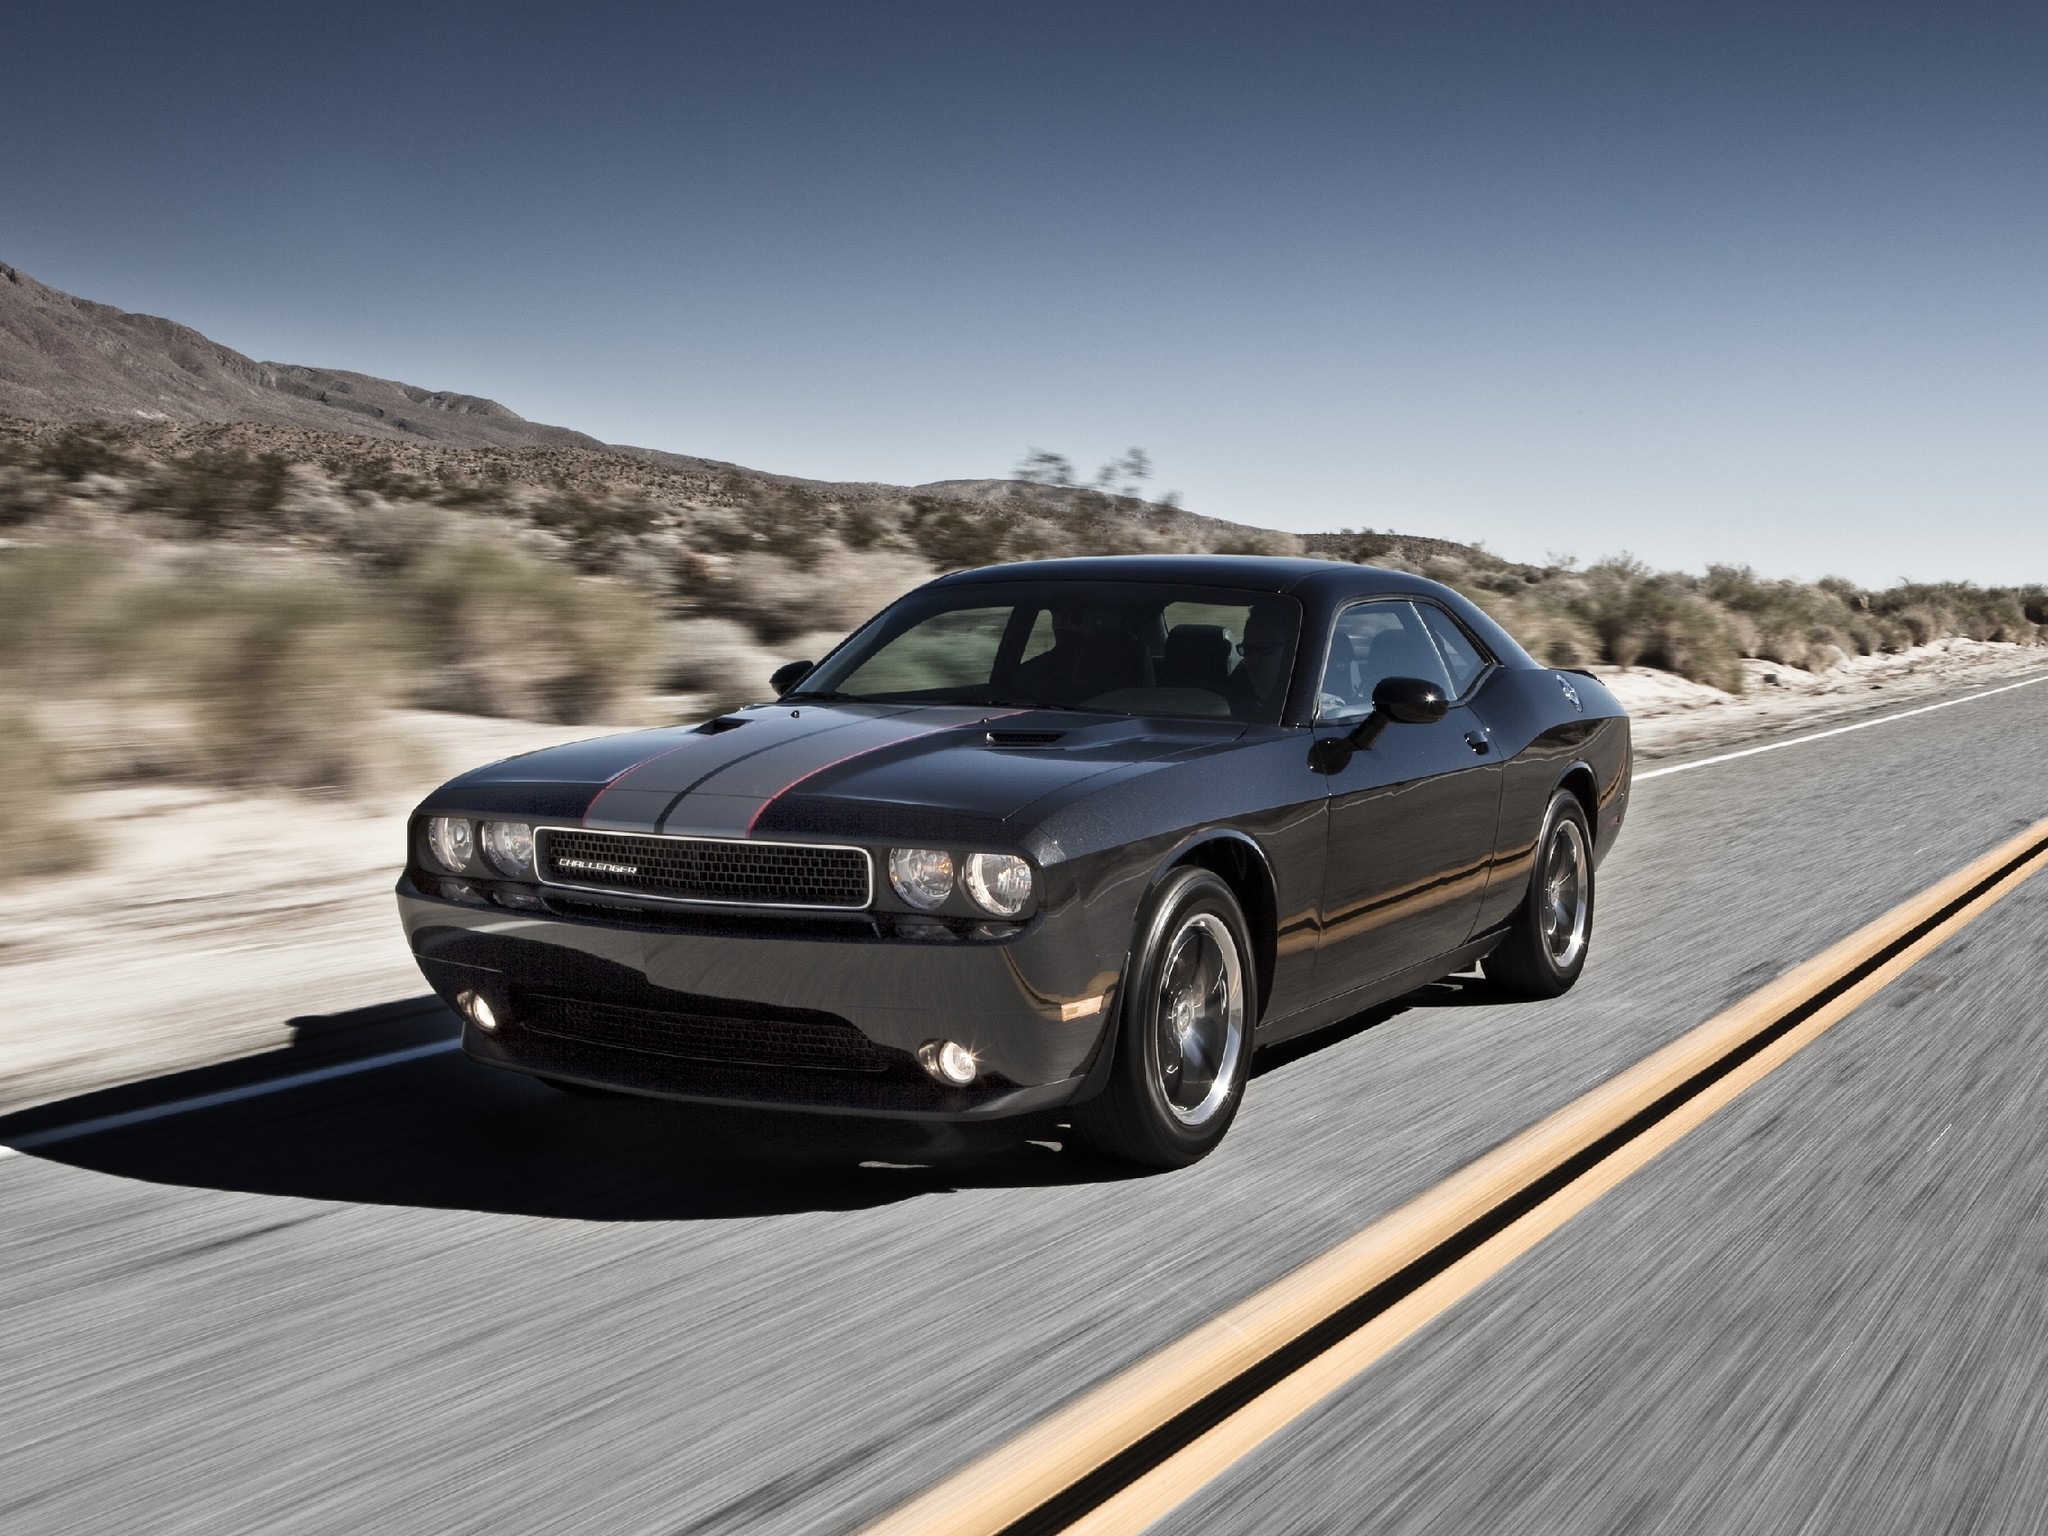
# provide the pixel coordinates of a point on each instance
(436, 1298)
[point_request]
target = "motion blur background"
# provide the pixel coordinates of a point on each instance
(1743, 283)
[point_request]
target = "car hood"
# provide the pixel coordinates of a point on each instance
(827, 767)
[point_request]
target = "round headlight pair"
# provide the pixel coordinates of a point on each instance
(508, 845)
(998, 883)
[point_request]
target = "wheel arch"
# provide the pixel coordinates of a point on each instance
(1240, 863)
(1585, 787)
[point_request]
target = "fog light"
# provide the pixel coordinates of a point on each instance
(949, 1061)
(476, 1010)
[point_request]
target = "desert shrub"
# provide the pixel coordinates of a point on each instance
(1365, 548)
(956, 535)
(210, 674)
(860, 527)
(1543, 629)
(1258, 542)
(1637, 616)
(215, 489)
(379, 476)
(77, 452)
(34, 784)
(283, 680)
(719, 658)
(497, 632)
(598, 528)
(1093, 526)
(779, 601)
(787, 522)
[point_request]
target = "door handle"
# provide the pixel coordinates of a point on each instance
(1478, 743)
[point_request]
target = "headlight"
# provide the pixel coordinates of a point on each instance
(998, 882)
(509, 847)
(922, 876)
(453, 841)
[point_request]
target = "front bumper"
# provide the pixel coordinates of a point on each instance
(717, 1008)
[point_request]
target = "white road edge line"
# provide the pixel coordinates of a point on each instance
(93, 1127)
(1840, 730)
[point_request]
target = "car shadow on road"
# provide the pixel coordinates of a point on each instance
(438, 1131)
(1465, 990)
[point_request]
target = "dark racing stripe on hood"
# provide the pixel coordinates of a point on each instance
(640, 797)
(800, 747)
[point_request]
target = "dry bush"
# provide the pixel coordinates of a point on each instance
(1257, 543)
(719, 657)
(283, 681)
(213, 490)
(34, 783)
(1545, 630)
(779, 601)
(956, 535)
(198, 669)
(497, 632)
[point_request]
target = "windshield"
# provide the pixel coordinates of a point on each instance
(1124, 648)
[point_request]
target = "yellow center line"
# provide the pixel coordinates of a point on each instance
(1012, 1481)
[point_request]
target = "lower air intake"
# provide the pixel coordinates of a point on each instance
(819, 1044)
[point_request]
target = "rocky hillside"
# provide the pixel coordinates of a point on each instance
(69, 359)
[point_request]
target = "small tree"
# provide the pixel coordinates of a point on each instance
(1042, 468)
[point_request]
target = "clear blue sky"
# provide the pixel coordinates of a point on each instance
(1757, 283)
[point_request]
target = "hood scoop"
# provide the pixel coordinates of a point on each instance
(1025, 738)
(721, 725)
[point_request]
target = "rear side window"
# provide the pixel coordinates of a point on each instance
(1463, 659)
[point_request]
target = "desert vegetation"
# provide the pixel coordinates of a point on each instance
(1620, 612)
(243, 605)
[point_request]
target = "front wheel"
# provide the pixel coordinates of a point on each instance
(1183, 1042)
(1545, 948)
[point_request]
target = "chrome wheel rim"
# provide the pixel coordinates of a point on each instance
(1566, 894)
(1200, 1018)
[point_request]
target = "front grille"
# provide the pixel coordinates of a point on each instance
(819, 1044)
(734, 872)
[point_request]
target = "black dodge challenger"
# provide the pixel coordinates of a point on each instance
(1074, 833)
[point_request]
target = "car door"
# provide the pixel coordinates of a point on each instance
(1412, 817)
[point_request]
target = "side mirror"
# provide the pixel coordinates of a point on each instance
(790, 673)
(1401, 701)
(1410, 701)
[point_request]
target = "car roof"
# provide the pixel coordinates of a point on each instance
(1258, 573)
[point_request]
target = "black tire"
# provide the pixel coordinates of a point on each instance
(1545, 948)
(1188, 1002)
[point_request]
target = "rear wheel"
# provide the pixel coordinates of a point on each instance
(1183, 1041)
(1545, 949)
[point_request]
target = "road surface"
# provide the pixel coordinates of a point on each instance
(436, 1298)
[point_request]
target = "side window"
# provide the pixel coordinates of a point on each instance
(1039, 641)
(1462, 657)
(1370, 642)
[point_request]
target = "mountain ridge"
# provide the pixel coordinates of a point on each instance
(65, 358)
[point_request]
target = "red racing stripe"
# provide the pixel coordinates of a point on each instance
(803, 778)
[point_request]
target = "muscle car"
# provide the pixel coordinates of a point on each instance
(1073, 835)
